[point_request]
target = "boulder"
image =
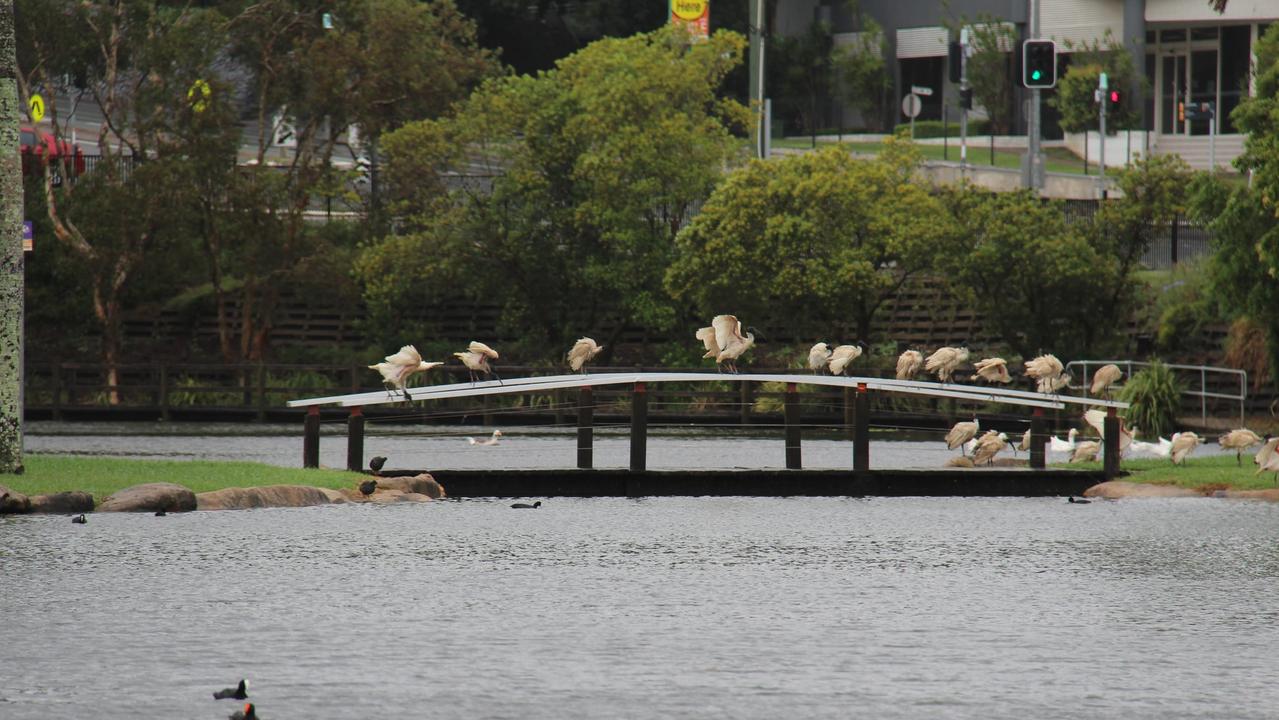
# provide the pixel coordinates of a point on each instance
(1270, 495)
(150, 497)
(13, 502)
(63, 502)
(422, 484)
(1116, 489)
(237, 498)
(384, 496)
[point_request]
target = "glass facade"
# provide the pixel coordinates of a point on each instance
(1193, 66)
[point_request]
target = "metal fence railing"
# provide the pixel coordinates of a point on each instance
(1202, 373)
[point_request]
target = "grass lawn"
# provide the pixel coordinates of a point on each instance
(1218, 472)
(103, 476)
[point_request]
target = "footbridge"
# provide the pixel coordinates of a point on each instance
(861, 389)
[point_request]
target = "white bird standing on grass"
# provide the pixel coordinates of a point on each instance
(1162, 448)
(1056, 444)
(1239, 440)
(945, 361)
(988, 446)
(725, 342)
(1183, 444)
(1049, 374)
(909, 364)
(843, 356)
(1085, 451)
(818, 356)
(582, 352)
(476, 359)
(1105, 376)
(993, 370)
(398, 368)
(1267, 459)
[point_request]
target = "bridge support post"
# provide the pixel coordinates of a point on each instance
(861, 431)
(639, 428)
(1110, 445)
(850, 413)
(355, 440)
(793, 458)
(1038, 438)
(311, 438)
(585, 427)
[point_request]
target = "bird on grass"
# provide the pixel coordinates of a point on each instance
(1267, 459)
(476, 359)
(239, 692)
(248, 713)
(1239, 440)
(909, 364)
(398, 368)
(368, 487)
(1162, 448)
(1056, 444)
(1105, 376)
(376, 464)
(725, 342)
(945, 361)
(526, 506)
(582, 352)
(491, 440)
(961, 433)
(1183, 444)
(843, 356)
(1049, 374)
(79, 519)
(994, 370)
(1085, 451)
(818, 357)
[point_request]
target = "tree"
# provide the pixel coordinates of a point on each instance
(990, 72)
(810, 240)
(863, 76)
(1075, 98)
(139, 61)
(11, 260)
(596, 165)
(1026, 269)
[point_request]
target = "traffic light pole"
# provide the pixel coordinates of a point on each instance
(1034, 177)
(963, 91)
(1104, 96)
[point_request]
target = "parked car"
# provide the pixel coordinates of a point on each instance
(39, 146)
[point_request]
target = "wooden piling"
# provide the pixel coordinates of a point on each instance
(792, 416)
(311, 438)
(861, 430)
(1110, 445)
(585, 427)
(850, 412)
(355, 440)
(639, 428)
(1038, 439)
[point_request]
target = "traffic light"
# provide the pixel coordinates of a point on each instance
(1113, 97)
(1039, 64)
(966, 98)
(955, 61)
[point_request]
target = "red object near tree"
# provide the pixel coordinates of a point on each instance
(37, 145)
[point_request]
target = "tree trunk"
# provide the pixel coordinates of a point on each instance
(12, 271)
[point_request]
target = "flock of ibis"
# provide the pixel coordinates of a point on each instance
(725, 341)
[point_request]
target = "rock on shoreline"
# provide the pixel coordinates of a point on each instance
(1119, 489)
(150, 497)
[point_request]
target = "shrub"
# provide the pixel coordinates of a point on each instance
(1154, 395)
(936, 129)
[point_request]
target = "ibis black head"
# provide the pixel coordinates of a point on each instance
(759, 336)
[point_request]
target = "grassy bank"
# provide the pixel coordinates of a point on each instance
(1218, 472)
(103, 476)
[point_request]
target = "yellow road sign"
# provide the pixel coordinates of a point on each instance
(37, 108)
(199, 95)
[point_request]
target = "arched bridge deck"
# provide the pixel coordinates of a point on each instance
(861, 477)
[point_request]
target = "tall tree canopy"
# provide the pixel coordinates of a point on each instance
(594, 167)
(812, 240)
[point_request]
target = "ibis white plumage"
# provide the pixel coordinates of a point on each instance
(398, 368)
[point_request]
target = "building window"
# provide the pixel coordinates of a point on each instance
(1235, 56)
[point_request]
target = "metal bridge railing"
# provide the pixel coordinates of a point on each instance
(1201, 371)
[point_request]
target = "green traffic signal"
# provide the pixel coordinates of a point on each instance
(1035, 75)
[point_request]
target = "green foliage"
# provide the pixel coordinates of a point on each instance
(603, 159)
(863, 76)
(936, 128)
(990, 71)
(1183, 307)
(1075, 90)
(1029, 272)
(1154, 395)
(810, 240)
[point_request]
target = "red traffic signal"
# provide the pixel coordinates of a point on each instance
(1114, 97)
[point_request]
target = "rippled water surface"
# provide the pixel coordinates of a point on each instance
(666, 607)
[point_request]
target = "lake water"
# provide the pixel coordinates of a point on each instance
(663, 607)
(446, 447)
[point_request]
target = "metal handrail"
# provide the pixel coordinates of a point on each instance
(1202, 393)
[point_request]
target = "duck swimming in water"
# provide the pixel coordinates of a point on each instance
(79, 519)
(239, 692)
(526, 506)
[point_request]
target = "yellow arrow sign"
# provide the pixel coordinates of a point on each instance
(199, 95)
(37, 108)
